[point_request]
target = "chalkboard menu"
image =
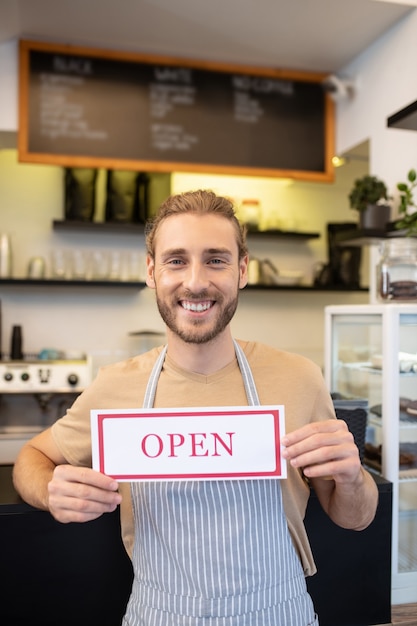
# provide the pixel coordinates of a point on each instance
(91, 108)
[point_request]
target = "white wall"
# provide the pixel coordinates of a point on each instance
(387, 82)
(8, 86)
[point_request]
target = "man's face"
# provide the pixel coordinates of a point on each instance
(197, 275)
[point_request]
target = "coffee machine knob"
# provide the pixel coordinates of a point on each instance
(72, 379)
(8, 377)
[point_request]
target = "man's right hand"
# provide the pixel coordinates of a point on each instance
(81, 494)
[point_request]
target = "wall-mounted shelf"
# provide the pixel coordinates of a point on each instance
(283, 234)
(38, 282)
(100, 227)
(132, 228)
(302, 288)
(405, 118)
(363, 237)
(29, 282)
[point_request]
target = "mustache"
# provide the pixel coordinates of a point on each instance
(189, 295)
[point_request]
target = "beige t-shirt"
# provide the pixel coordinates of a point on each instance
(280, 378)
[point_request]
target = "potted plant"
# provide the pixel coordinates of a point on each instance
(407, 220)
(367, 197)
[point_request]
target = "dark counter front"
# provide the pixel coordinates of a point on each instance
(352, 586)
(59, 574)
(80, 575)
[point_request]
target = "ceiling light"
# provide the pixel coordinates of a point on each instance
(339, 161)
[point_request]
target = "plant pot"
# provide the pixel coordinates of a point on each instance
(375, 216)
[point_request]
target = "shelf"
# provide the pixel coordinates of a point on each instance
(100, 227)
(35, 282)
(405, 118)
(405, 423)
(369, 236)
(139, 229)
(409, 475)
(303, 288)
(371, 369)
(283, 234)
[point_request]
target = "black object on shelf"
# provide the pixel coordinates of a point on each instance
(127, 196)
(80, 193)
(406, 118)
(343, 266)
(16, 352)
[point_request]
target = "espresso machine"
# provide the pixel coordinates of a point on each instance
(33, 394)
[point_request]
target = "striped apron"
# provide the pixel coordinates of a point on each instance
(214, 553)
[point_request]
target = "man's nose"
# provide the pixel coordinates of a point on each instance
(196, 277)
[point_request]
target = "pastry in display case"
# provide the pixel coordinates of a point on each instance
(371, 355)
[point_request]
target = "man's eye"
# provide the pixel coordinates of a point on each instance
(216, 261)
(175, 262)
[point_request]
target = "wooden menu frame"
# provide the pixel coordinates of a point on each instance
(305, 123)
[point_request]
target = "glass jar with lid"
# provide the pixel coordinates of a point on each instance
(397, 270)
(251, 214)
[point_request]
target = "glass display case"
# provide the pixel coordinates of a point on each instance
(371, 354)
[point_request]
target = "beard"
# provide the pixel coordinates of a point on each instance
(196, 331)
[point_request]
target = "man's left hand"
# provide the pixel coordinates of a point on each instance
(323, 450)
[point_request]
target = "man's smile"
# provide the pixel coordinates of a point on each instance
(197, 307)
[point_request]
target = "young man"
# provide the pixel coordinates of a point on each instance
(226, 552)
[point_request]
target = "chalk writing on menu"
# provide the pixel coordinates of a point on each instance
(171, 89)
(61, 112)
(247, 107)
(98, 107)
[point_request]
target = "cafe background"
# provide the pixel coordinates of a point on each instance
(109, 320)
(99, 321)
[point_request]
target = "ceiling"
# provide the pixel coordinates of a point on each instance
(310, 35)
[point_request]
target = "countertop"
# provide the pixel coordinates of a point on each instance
(10, 502)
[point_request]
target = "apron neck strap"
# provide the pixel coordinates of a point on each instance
(248, 381)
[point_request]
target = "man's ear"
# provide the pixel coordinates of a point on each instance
(243, 271)
(150, 270)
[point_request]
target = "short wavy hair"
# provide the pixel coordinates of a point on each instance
(199, 202)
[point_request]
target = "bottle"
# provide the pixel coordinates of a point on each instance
(397, 270)
(5, 256)
(16, 353)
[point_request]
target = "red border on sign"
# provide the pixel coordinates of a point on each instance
(190, 414)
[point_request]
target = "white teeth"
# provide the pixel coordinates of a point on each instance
(196, 306)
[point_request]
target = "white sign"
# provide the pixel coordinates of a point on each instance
(207, 443)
